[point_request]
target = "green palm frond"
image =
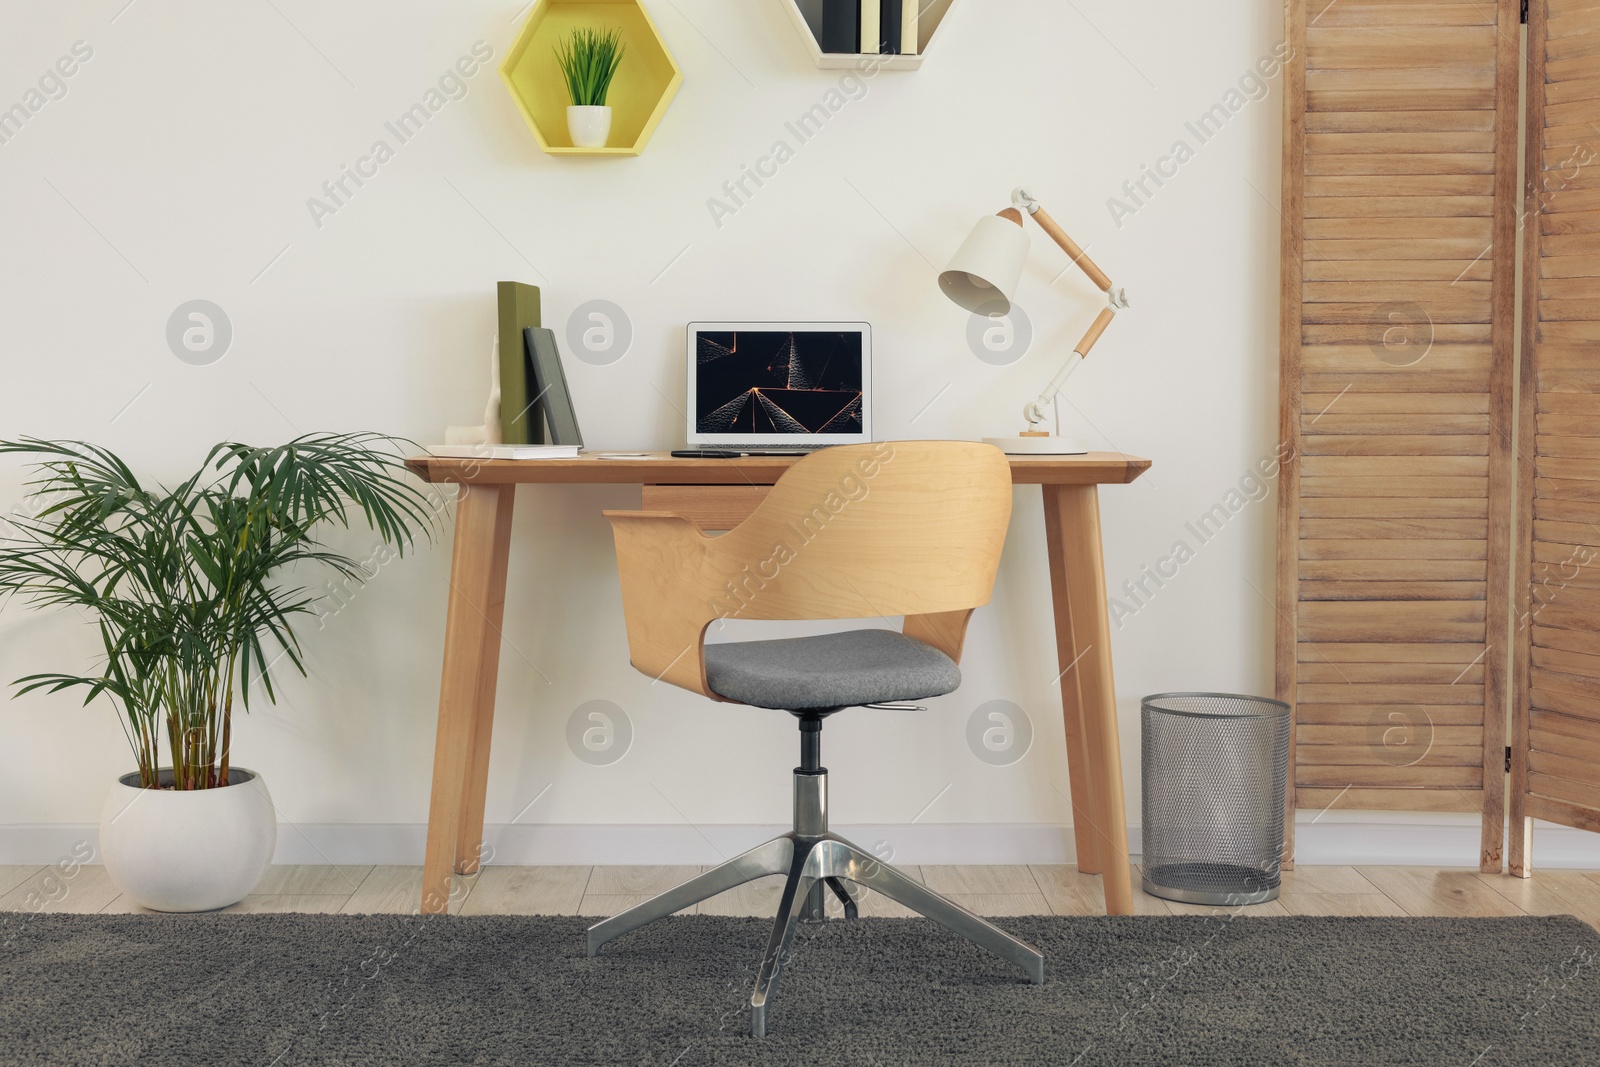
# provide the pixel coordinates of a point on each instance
(183, 582)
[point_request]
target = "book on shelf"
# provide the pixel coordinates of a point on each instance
(890, 38)
(864, 27)
(841, 25)
(871, 20)
(503, 451)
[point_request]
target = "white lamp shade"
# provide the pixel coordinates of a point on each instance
(983, 274)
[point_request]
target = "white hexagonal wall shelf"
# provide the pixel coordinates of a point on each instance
(807, 18)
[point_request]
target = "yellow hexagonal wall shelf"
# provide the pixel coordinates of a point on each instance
(645, 82)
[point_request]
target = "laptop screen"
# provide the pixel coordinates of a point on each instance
(772, 382)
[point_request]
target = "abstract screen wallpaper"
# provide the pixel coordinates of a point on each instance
(778, 381)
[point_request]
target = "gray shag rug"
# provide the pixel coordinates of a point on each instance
(285, 990)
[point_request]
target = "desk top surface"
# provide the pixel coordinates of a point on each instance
(661, 468)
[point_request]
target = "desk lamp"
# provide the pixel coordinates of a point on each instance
(983, 275)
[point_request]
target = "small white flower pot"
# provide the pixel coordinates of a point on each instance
(188, 850)
(589, 125)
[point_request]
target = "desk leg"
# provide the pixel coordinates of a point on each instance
(466, 688)
(1086, 819)
(1077, 561)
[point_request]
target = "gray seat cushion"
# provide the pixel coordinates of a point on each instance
(829, 671)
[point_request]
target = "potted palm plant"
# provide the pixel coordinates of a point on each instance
(589, 59)
(183, 586)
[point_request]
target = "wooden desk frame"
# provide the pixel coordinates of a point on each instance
(476, 611)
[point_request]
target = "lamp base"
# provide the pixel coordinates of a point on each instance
(1027, 445)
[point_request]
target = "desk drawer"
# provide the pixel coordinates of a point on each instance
(711, 507)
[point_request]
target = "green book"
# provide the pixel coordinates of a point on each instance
(519, 310)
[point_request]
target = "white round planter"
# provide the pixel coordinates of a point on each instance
(589, 125)
(188, 850)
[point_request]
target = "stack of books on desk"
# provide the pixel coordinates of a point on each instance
(883, 27)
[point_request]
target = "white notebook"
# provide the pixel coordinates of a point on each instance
(504, 451)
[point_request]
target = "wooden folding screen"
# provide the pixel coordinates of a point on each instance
(1399, 193)
(1555, 771)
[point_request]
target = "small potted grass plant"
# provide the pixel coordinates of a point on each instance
(184, 585)
(589, 59)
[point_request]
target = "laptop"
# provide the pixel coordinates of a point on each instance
(778, 386)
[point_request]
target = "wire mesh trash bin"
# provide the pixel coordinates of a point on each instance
(1215, 767)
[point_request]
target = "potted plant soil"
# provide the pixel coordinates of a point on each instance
(182, 584)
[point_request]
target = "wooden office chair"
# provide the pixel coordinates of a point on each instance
(910, 528)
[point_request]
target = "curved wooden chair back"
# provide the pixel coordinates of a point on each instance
(909, 528)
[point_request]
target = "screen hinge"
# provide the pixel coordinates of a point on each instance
(1508, 759)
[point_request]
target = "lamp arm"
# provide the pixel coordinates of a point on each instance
(1022, 202)
(1070, 247)
(1034, 412)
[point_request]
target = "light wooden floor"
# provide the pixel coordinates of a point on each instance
(988, 890)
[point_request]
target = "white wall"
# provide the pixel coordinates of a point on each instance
(179, 165)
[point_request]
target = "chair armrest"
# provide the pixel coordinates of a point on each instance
(666, 595)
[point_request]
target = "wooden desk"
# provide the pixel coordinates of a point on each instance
(729, 488)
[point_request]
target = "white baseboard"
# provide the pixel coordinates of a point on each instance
(604, 843)
(1415, 845)
(1391, 844)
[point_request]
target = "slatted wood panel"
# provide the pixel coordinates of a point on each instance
(1556, 716)
(1399, 194)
